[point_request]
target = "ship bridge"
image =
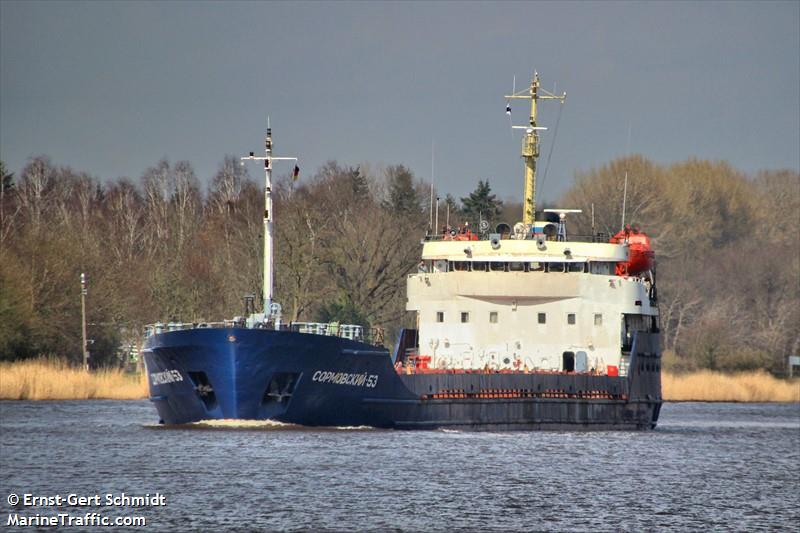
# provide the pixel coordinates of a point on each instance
(520, 255)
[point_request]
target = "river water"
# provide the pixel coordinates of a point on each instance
(715, 467)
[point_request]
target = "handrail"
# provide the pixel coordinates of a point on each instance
(355, 332)
(597, 238)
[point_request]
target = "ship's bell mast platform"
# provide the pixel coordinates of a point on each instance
(530, 142)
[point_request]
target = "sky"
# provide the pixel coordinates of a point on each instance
(111, 88)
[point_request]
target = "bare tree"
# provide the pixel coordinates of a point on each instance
(157, 186)
(187, 201)
(35, 184)
(124, 213)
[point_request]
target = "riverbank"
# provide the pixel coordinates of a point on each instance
(51, 379)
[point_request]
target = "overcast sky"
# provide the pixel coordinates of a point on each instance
(112, 87)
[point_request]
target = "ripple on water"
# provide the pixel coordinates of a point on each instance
(707, 466)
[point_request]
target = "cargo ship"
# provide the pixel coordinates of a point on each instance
(517, 328)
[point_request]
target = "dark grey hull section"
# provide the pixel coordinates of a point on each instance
(502, 402)
(539, 401)
(523, 415)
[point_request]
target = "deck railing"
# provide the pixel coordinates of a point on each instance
(354, 332)
(600, 237)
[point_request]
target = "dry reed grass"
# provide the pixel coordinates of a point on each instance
(708, 386)
(54, 379)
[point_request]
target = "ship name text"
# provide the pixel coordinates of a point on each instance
(167, 376)
(343, 378)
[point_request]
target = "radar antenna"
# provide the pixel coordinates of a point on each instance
(530, 143)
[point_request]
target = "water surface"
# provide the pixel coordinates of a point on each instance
(707, 467)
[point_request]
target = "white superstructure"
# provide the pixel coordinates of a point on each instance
(528, 304)
(528, 299)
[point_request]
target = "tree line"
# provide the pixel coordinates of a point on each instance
(727, 252)
(164, 247)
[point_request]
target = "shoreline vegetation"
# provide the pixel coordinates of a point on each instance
(710, 386)
(174, 246)
(54, 379)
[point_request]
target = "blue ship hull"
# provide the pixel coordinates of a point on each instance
(316, 380)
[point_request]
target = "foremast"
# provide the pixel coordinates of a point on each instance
(270, 308)
(530, 143)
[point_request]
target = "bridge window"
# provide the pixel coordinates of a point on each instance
(516, 267)
(440, 316)
(464, 317)
(598, 319)
(603, 268)
(576, 267)
(555, 267)
(460, 266)
(571, 318)
(497, 266)
(542, 318)
(479, 266)
(492, 317)
(536, 266)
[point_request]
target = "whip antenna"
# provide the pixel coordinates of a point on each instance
(552, 145)
(625, 187)
(508, 106)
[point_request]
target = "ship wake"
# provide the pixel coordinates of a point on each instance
(229, 424)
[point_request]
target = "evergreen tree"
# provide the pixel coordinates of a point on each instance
(451, 202)
(346, 180)
(6, 198)
(343, 311)
(404, 199)
(450, 213)
(358, 182)
(481, 204)
(6, 179)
